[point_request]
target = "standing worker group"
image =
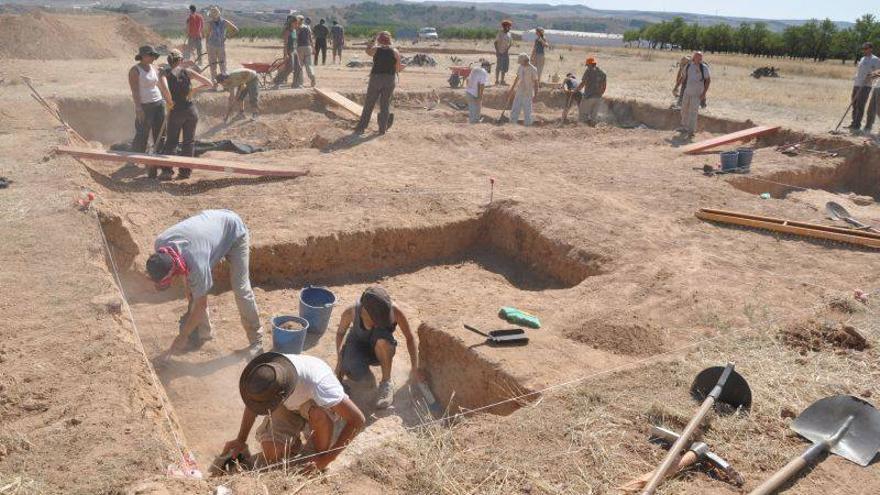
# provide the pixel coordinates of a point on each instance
(503, 42)
(862, 86)
(337, 33)
(195, 25)
(216, 32)
(593, 83)
(321, 32)
(383, 75)
(695, 82)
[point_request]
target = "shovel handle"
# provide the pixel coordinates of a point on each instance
(794, 466)
(472, 329)
(679, 445)
(637, 484)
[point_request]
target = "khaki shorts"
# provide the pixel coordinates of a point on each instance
(285, 426)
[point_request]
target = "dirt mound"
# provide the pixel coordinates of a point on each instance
(817, 334)
(619, 337)
(38, 35)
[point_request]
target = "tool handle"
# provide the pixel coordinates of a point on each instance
(679, 445)
(472, 329)
(794, 466)
(637, 484)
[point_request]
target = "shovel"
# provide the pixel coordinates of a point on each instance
(715, 384)
(514, 336)
(838, 212)
(841, 424)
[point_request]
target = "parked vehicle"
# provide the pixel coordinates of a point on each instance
(428, 34)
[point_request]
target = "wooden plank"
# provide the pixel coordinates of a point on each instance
(743, 135)
(838, 230)
(180, 161)
(787, 227)
(334, 98)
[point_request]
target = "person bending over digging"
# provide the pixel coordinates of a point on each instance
(191, 248)
(241, 84)
(366, 338)
(292, 390)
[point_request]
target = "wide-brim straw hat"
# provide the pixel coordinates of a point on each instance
(267, 381)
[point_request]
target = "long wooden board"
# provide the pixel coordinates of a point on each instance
(743, 135)
(181, 161)
(334, 98)
(857, 237)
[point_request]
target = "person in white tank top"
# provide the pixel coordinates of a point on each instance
(149, 97)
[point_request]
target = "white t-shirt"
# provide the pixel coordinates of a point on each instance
(528, 79)
(695, 79)
(478, 76)
(867, 65)
(503, 41)
(316, 382)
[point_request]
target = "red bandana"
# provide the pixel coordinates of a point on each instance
(179, 267)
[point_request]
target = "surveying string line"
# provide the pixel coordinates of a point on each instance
(140, 344)
(623, 367)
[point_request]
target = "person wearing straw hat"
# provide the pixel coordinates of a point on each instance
(191, 249)
(217, 30)
(182, 116)
(541, 44)
(503, 42)
(293, 390)
(365, 338)
(593, 83)
(524, 90)
(149, 102)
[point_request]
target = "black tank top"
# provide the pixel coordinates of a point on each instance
(180, 87)
(384, 61)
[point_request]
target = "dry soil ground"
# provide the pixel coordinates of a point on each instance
(592, 229)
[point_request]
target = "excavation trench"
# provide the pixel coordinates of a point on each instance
(441, 275)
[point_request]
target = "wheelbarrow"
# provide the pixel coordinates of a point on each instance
(459, 76)
(266, 71)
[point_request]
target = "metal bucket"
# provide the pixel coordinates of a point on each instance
(729, 160)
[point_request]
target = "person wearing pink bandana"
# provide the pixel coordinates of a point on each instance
(191, 249)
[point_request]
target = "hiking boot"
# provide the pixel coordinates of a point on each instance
(390, 121)
(386, 395)
(358, 131)
(184, 173)
(167, 174)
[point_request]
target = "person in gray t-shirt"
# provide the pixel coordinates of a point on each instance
(192, 248)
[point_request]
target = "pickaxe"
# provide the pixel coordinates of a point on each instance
(697, 452)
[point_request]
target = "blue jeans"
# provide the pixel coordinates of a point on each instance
(522, 103)
(475, 107)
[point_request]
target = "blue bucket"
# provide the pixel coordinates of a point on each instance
(745, 158)
(315, 305)
(288, 341)
(729, 160)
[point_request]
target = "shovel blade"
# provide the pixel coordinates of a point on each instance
(736, 392)
(822, 420)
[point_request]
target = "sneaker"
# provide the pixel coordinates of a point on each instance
(167, 174)
(386, 395)
(184, 173)
(255, 349)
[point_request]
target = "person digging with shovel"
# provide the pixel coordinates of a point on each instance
(191, 249)
(291, 391)
(242, 84)
(365, 338)
(523, 91)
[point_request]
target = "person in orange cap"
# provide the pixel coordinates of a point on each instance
(593, 83)
(503, 42)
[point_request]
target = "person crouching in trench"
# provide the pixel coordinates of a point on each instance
(365, 338)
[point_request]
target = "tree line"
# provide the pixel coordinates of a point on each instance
(816, 40)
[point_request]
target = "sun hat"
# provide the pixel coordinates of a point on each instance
(146, 50)
(266, 382)
(376, 301)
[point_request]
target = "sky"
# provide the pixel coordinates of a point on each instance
(838, 10)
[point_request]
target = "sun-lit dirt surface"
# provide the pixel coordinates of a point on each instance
(591, 229)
